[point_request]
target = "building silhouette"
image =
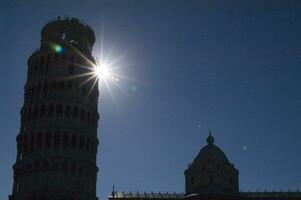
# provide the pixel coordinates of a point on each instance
(57, 142)
(210, 176)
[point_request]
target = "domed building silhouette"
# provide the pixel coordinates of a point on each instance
(211, 172)
(210, 176)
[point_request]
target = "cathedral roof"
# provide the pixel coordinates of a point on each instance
(145, 195)
(210, 151)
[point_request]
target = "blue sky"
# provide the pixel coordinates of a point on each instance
(230, 66)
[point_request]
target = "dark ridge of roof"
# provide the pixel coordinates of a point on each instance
(149, 195)
(295, 194)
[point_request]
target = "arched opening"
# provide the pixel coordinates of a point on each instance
(61, 85)
(59, 110)
(45, 88)
(81, 142)
(50, 110)
(53, 85)
(88, 117)
(39, 141)
(75, 112)
(82, 115)
(35, 113)
(41, 64)
(57, 138)
(43, 111)
(48, 140)
(66, 141)
(211, 179)
(74, 141)
(31, 143)
(231, 181)
(68, 112)
(48, 61)
(69, 85)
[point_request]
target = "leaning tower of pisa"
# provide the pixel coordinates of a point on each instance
(57, 142)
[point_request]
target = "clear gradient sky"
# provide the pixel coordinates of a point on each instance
(230, 66)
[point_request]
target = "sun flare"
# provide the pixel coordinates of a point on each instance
(102, 72)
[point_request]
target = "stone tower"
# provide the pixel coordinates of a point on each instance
(57, 142)
(211, 173)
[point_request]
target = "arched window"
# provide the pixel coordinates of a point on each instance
(43, 111)
(38, 89)
(46, 165)
(81, 142)
(211, 179)
(45, 88)
(27, 92)
(74, 141)
(39, 141)
(82, 115)
(81, 170)
(57, 138)
(29, 114)
(87, 145)
(79, 60)
(61, 85)
(65, 166)
(84, 90)
(69, 85)
(59, 110)
(75, 112)
(73, 168)
(47, 64)
(28, 167)
(72, 59)
(36, 65)
(56, 58)
(231, 181)
(55, 166)
(71, 69)
(68, 112)
(36, 165)
(24, 116)
(25, 145)
(53, 85)
(66, 141)
(31, 143)
(91, 147)
(33, 92)
(50, 110)
(35, 113)
(64, 58)
(41, 64)
(88, 117)
(48, 140)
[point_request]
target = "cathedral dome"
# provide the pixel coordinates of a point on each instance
(210, 151)
(211, 172)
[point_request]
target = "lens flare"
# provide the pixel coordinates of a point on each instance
(56, 48)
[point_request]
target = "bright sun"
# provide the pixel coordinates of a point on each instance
(102, 72)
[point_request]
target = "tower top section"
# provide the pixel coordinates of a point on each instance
(68, 32)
